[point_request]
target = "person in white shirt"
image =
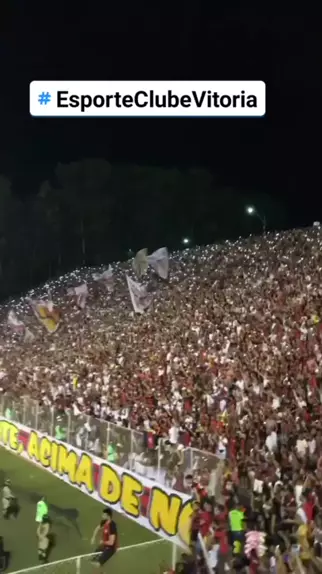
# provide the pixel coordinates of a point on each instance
(174, 434)
(312, 446)
(222, 449)
(7, 499)
(271, 441)
(301, 446)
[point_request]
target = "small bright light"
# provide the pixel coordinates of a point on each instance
(250, 210)
(186, 240)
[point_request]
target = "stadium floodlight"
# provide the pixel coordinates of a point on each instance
(186, 241)
(251, 210)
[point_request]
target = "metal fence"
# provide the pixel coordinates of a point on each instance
(125, 447)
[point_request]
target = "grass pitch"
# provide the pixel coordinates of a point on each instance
(74, 517)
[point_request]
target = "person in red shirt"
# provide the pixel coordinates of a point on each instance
(108, 543)
(221, 514)
(205, 518)
(309, 505)
(254, 563)
(221, 538)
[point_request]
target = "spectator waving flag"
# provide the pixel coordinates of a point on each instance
(106, 278)
(140, 298)
(46, 314)
(159, 260)
(140, 263)
(81, 293)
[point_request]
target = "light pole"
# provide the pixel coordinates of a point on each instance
(251, 210)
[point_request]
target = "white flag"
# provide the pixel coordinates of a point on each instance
(140, 262)
(106, 278)
(29, 336)
(50, 302)
(14, 323)
(159, 260)
(141, 300)
(81, 292)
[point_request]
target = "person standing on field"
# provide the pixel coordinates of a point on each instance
(42, 510)
(8, 499)
(43, 532)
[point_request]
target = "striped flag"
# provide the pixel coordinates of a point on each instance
(141, 299)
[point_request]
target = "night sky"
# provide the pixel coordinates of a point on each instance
(279, 154)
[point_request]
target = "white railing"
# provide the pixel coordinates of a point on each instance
(145, 558)
(124, 446)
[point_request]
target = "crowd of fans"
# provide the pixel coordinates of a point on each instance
(228, 360)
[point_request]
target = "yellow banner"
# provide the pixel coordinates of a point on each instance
(157, 508)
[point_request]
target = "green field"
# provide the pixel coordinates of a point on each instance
(74, 517)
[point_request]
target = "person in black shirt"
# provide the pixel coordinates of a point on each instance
(108, 538)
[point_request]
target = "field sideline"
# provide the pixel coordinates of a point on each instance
(74, 516)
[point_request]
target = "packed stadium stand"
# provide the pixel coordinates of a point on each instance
(221, 365)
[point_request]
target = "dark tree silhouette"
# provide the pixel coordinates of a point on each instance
(91, 212)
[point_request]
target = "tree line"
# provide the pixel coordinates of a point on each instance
(91, 212)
